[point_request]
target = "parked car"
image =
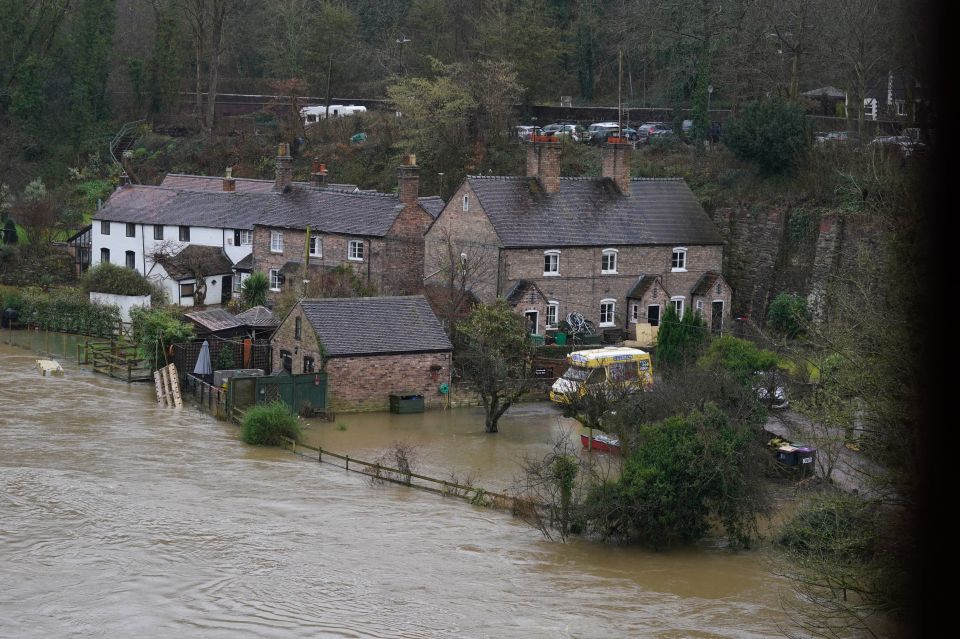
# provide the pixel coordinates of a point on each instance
(837, 136)
(574, 132)
(645, 130)
(906, 145)
(601, 134)
(524, 131)
(597, 126)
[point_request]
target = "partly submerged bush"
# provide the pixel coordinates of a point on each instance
(267, 424)
(116, 280)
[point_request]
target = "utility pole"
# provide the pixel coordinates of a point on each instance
(329, 73)
(402, 40)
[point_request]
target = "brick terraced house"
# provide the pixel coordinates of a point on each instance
(369, 348)
(615, 249)
(377, 235)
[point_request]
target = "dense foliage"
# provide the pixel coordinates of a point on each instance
(771, 134)
(739, 356)
(268, 424)
(105, 277)
(685, 472)
(155, 330)
(679, 341)
(787, 314)
(63, 310)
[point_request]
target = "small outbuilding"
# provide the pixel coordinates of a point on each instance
(217, 321)
(370, 348)
(259, 321)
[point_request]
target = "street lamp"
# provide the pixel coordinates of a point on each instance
(709, 92)
(402, 40)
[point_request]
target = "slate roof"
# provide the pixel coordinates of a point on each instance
(245, 263)
(592, 212)
(212, 258)
(705, 283)
(326, 210)
(259, 317)
(641, 287)
(184, 182)
(433, 204)
(516, 293)
(376, 325)
(214, 320)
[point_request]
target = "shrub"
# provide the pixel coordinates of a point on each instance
(254, 289)
(787, 314)
(266, 424)
(739, 356)
(770, 134)
(679, 341)
(67, 311)
(116, 280)
(155, 329)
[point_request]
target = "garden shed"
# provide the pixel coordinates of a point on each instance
(369, 347)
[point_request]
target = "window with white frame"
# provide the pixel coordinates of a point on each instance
(608, 261)
(608, 310)
(678, 262)
(158, 231)
(551, 263)
(238, 283)
(131, 259)
(246, 237)
(275, 279)
(700, 307)
(184, 233)
(553, 313)
(276, 241)
(355, 250)
(316, 246)
(131, 229)
(105, 255)
(677, 305)
(466, 202)
(634, 313)
(104, 227)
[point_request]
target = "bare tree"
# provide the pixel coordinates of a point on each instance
(457, 267)
(170, 256)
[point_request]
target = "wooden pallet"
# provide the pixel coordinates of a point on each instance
(168, 386)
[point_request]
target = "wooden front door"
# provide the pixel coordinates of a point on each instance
(716, 318)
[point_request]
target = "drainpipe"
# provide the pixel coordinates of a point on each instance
(143, 248)
(499, 262)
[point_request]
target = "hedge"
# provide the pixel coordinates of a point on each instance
(66, 311)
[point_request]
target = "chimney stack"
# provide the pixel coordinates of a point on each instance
(284, 168)
(543, 161)
(318, 170)
(229, 183)
(408, 180)
(616, 163)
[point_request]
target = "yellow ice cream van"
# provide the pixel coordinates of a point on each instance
(613, 364)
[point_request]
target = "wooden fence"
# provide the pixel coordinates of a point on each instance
(116, 358)
(474, 494)
(207, 396)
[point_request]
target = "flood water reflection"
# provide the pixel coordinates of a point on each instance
(119, 518)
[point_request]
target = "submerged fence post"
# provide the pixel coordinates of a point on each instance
(319, 455)
(348, 461)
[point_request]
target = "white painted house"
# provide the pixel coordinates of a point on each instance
(138, 221)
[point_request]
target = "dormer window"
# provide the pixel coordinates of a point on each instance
(551, 263)
(608, 262)
(678, 262)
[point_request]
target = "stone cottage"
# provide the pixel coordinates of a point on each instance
(615, 249)
(369, 348)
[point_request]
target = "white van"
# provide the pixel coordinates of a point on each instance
(313, 114)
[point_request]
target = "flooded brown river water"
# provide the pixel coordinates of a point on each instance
(119, 518)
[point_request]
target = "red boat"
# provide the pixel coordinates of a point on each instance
(602, 442)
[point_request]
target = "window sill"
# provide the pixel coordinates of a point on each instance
(551, 274)
(607, 324)
(276, 252)
(275, 290)
(678, 270)
(354, 259)
(609, 273)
